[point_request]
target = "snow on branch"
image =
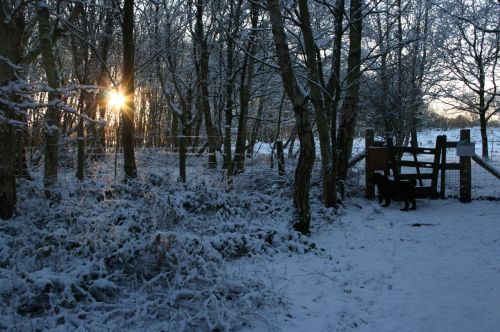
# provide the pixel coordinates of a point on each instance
(174, 107)
(18, 97)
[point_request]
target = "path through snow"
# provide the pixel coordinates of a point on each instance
(387, 275)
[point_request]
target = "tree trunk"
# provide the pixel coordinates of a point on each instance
(317, 100)
(245, 89)
(484, 136)
(8, 196)
(229, 101)
(81, 151)
(482, 111)
(128, 89)
(174, 131)
(400, 134)
(197, 124)
(292, 142)
(102, 80)
(22, 169)
(203, 76)
(52, 115)
(304, 130)
(255, 129)
(11, 49)
(349, 107)
(420, 68)
(276, 138)
(383, 109)
(334, 89)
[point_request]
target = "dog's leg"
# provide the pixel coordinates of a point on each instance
(387, 201)
(413, 204)
(407, 203)
(380, 199)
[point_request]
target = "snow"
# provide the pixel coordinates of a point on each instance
(386, 275)
(154, 254)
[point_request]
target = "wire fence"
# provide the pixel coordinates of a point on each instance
(106, 164)
(484, 184)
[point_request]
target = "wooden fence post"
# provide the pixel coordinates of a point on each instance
(443, 169)
(281, 158)
(369, 141)
(465, 171)
(435, 169)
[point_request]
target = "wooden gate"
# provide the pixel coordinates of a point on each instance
(398, 159)
(382, 156)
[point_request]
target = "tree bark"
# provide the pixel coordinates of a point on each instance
(334, 89)
(482, 111)
(203, 77)
(128, 89)
(245, 87)
(12, 27)
(329, 198)
(484, 135)
(81, 151)
(255, 129)
(102, 80)
(53, 115)
(349, 107)
(383, 107)
(229, 97)
(304, 130)
(400, 133)
(174, 131)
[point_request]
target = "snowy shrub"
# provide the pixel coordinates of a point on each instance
(140, 255)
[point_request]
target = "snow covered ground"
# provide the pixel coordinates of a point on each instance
(387, 273)
(155, 255)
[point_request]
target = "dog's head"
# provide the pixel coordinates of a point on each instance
(376, 178)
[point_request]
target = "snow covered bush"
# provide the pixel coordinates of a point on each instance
(149, 254)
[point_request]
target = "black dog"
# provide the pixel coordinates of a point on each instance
(388, 189)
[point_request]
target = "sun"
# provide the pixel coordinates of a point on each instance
(116, 99)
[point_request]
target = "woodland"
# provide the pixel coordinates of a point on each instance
(187, 165)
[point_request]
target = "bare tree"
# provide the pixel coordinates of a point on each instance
(334, 88)
(233, 24)
(52, 115)
(128, 89)
(349, 108)
(12, 28)
(315, 85)
(304, 130)
(202, 55)
(247, 74)
(470, 56)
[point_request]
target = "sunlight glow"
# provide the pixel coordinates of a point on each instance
(116, 99)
